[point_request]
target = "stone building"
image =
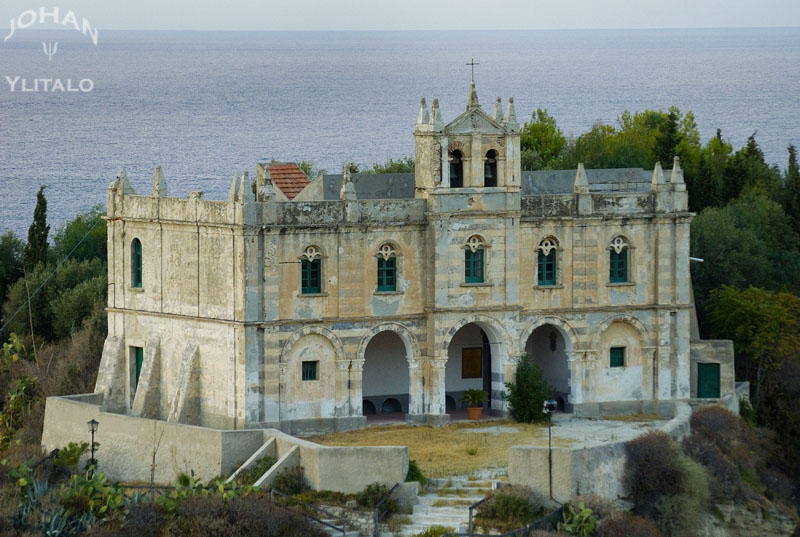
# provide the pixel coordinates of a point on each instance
(308, 305)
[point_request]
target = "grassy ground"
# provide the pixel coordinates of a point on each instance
(457, 449)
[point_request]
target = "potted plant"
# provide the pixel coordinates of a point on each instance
(474, 399)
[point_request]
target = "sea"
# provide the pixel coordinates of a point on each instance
(207, 105)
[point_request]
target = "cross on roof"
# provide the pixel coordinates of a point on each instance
(472, 64)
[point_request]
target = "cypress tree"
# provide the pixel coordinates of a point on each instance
(792, 189)
(36, 250)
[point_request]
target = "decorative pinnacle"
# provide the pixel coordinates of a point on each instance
(472, 102)
(423, 116)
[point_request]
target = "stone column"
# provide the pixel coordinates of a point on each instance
(416, 387)
(445, 163)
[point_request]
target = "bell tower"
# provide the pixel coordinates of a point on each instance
(474, 151)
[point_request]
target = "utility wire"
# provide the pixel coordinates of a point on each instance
(50, 276)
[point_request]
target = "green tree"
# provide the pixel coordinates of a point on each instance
(541, 142)
(528, 392)
(705, 187)
(12, 251)
(747, 170)
(86, 234)
(402, 165)
(792, 189)
(36, 250)
(750, 241)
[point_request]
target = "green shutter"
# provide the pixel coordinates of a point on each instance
(387, 274)
(136, 263)
(708, 381)
(617, 356)
(547, 268)
(139, 357)
(618, 266)
(311, 276)
(473, 266)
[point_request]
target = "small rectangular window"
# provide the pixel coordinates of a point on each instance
(617, 356)
(387, 274)
(310, 370)
(311, 276)
(547, 268)
(473, 266)
(618, 266)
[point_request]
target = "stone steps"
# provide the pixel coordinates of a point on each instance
(337, 531)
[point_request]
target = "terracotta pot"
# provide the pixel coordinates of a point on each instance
(474, 413)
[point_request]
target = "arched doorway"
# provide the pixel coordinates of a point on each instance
(385, 377)
(549, 349)
(475, 360)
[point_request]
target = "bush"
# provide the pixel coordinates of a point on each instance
(746, 411)
(509, 508)
(577, 520)
(290, 481)
(601, 507)
(653, 470)
(415, 473)
(527, 393)
(626, 525)
(434, 531)
(727, 481)
(372, 494)
(254, 473)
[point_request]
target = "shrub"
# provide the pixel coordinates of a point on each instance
(259, 468)
(653, 469)
(434, 531)
(601, 507)
(510, 507)
(577, 520)
(681, 514)
(746, 411)
(726, 475)
(290, 481)
(415, 473)
(626, 525)
(527, 393)
(372, 494)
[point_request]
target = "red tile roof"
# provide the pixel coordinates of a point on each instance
(289, 178)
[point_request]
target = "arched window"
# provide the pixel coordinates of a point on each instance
(473, 260)
(546, 267)
(311, 271)
(490, 169)
(618, 260)
(387, 268)
(136, 264)
(456, 169)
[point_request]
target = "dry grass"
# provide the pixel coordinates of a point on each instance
(442, 451)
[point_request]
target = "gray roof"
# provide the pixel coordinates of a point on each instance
(372, 186)
(563, 181)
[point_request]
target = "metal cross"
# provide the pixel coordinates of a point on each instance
(473, 64)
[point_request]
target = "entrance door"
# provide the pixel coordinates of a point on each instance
(708, 381)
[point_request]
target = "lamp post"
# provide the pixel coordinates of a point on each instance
(548, 407)
(92, 423)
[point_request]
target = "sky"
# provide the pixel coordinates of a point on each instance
(416, 14)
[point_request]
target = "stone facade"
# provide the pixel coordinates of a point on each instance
(218, 322)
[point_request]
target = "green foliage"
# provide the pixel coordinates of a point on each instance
(474, 397)
(435, 531)
(374, 493)
(310, 169)
(259, 468)
(92, 492)
(415, 473)
(508, 508)
(705, 188)
(747, 170)
(18, 404)
(290, 481)
(86, 234)
(652, 470)
(12, 251)
(14, 350)
(577, 520)
(351, 166)
(527, 393)
(402, 165)
(68, 456)
(541, 142)
(748, 242)
(746, 410)
(36, 249)
(791, 181)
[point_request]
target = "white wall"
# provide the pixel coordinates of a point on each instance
(385, 366)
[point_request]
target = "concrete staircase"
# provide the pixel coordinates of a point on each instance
(336, 530)
(447, 502)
